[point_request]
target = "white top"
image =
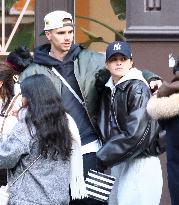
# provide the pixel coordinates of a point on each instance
(91, 147)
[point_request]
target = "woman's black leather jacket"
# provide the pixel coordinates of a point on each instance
(127, 128)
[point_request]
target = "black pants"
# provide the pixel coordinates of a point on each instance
(89, 162)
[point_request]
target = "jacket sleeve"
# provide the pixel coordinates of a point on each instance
(149, 76)
(32, 69)
(130, 139)
(13, 147)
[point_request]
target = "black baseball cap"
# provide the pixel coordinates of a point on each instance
(118, 47)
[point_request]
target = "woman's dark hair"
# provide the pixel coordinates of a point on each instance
(20, 58)
(47, 114)
(7, 88)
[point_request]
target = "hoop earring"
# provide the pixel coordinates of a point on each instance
(15, 78)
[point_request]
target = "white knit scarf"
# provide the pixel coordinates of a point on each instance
(77, 183)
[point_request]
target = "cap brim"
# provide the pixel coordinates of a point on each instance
(120, 53)
(67, 24)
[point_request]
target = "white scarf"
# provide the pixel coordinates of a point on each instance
(77, 183)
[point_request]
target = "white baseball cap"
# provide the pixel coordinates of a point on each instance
(55, 20)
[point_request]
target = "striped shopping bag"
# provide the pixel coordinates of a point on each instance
(99, 185)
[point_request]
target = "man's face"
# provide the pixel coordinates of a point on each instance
(119, 65)
(61, 38)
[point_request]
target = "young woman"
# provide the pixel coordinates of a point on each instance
(44, 129)
(15, 63)
(6, 94)
(128, 131)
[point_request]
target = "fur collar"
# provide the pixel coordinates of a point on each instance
(164, 107)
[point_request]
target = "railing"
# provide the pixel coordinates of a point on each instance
(4, 45)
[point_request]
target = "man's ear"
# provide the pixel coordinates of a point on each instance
(48, 35)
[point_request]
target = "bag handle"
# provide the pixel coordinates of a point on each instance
(25, 171)
(67, 85)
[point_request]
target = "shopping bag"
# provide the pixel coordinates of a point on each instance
(99, 185)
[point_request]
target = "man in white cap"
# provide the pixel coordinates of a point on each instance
(78, 67)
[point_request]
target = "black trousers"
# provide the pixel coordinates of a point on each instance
(89, 162)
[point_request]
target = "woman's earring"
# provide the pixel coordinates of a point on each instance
(15, 78)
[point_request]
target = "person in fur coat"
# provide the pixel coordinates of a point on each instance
(164, 106)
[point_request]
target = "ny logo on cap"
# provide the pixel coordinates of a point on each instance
(117, 46)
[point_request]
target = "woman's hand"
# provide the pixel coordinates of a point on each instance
(155, 85)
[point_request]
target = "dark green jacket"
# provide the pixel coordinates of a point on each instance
(85, 67)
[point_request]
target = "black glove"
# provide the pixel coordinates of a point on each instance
(102, 76)
(100, 167)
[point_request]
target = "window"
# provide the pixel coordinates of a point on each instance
(17, 24)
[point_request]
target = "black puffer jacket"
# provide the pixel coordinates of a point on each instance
(128, 130)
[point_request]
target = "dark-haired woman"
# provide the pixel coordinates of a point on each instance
(128, 132)
(44, 129)
(15, 63)
(6, 95)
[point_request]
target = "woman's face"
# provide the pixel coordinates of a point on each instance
(119, 65)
